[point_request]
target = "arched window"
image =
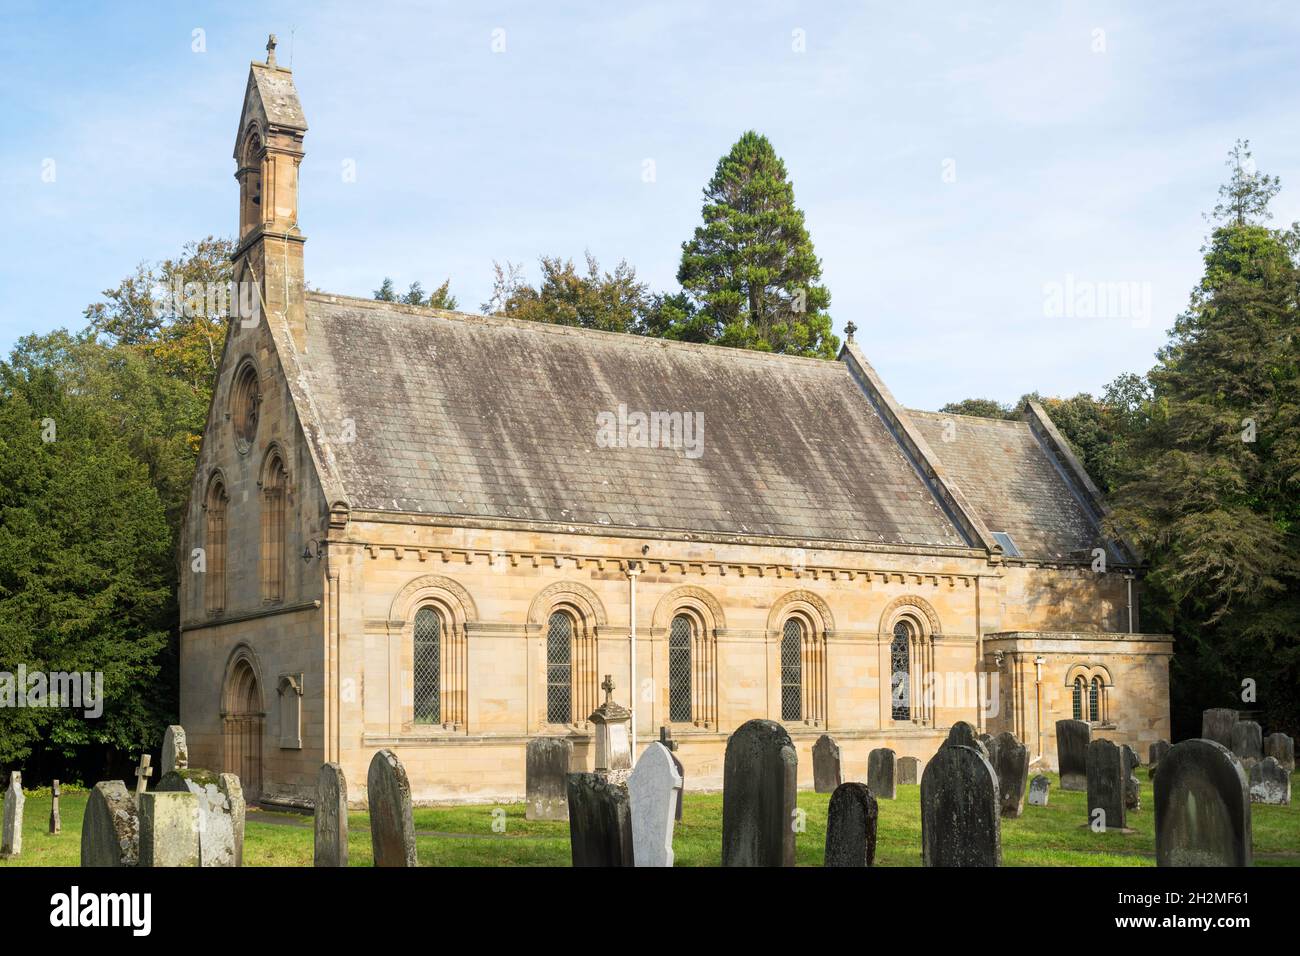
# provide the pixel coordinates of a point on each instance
(792, 640)
(1094, 700)
(1078, 698)
(245, 403)
(428, 666)
(900, 668)
(680, 638)
(214, 544)
(275, 481)
(559, 669)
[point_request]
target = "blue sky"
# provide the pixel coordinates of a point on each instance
(953, 160)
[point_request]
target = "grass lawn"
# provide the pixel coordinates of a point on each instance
(463, 836)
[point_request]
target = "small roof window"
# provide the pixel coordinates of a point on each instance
(1008, 546)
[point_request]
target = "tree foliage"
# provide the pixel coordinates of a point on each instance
(614, 301)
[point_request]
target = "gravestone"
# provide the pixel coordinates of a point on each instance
(961, 821)
(330, 845)
(1217, 724)
(110, 828)
(1039, 788)
(221, 812)
(392, 827)
(11, 835)
(851, 826)
(1012, 767)
(1270, 783)
(1282, 749)
(1106, 776)
(546, 764)
(759, 790)
(1156, 754)
(600, 821)
(1132, 787)
(653, 789)
(1202, 805)
(1072, 740)
(666, 738)
(56, 821)
(990, 747)
(963, 734)
(612, 723)
(826, 765)
(142, 775)
(882, 774)
(169, 828)
(1247, 740)
(175, 751)
(909, 771)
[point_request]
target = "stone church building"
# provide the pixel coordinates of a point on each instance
(437, 533)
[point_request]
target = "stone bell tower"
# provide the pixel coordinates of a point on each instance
(268, 149)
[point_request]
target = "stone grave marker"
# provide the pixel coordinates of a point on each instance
(169, 828)
(851, 826)
(221, 812)
(826, 765)
(963, 734)
(392, 826)
(1247, 740)
(1156, 754)
(1217, 724)
(1072, 740)
(546, 764)
(229, 785)
(600, 821)
(653, 789)
(110, 828)
(330, 843)
(11, 834)
(175, 750)
(1202, 805)
(142, 775)
(1106, 776)
(882, 773)
(759, 790)
(1282, 749)
(1039, 789)
(56, 821)
(1270, 783)
(1132, 786)
(612, 733)
(909, 771)
(1012, 767)
(990, 747)
(666, 738)
(961, 821)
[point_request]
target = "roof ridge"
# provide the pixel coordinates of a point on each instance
(556, 329)
(977, 418)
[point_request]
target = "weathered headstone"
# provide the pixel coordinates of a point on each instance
(962, 734)
(330, 846)
(961, 823)
(392, 825)
(666, 738)
(1039, 789)
(851, 826)
(175, 750)
(990, 747)
(1156, 754)
(612, 733)
(1282, 749)
(169, 828)
(11, 835)
(546, 764)
(1202, 805)
(826, 765)
(600, 821)
(909, 771)
(142, 775)
(1270, 783)
(1132, 787)
(759, 790)
(56, 821)
(652, 789)
(1247, 740)
(1012, 767)
(1106, 776)
(1217, 724)
(221, 812)
(882, 773)
(110, 829)
(1072, 740)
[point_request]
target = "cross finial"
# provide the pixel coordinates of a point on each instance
(270, 50)
(608, 687)
(142, 774)
(849, 330)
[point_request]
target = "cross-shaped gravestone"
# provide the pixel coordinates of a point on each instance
(666, 738)
(608, 687)
(56, 824)
(142, 775)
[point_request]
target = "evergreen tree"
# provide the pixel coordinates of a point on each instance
(441, 298)
(386, 291)
(751, 268)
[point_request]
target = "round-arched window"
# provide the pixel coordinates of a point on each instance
(246, 397)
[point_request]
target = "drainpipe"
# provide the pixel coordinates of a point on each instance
(633, 569)
(1038, 708)
(1128, 578)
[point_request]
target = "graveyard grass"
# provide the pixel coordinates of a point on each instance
(464, 836)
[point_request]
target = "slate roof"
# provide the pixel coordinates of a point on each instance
(496, 418)
(1015, 483)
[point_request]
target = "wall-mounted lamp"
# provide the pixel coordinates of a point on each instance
(307, 553)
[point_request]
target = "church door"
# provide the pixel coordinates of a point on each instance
(243, 718)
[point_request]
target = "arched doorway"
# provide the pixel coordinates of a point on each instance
(243, 718)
